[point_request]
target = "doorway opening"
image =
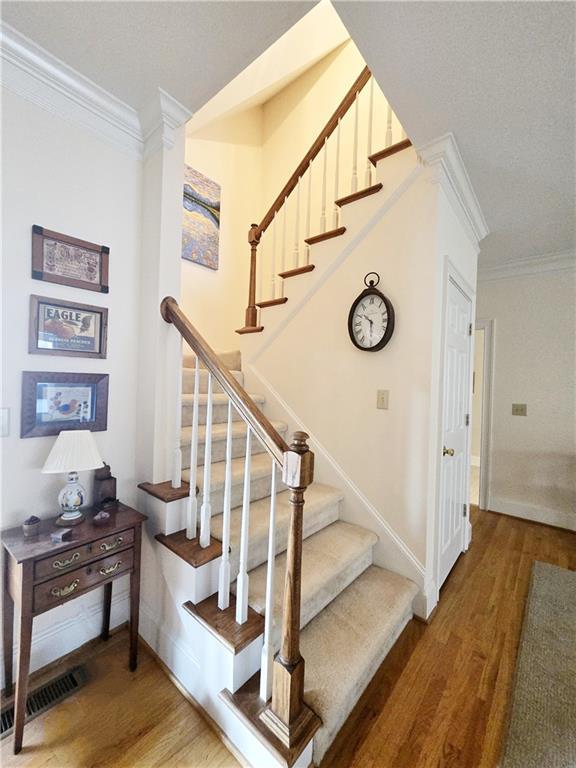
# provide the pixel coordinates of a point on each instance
(481, 418)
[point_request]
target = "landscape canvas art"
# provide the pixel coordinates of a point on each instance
(201, 219)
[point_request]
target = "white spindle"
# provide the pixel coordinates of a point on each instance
(273, 277)
(368, 175)
(242, 581)
(192, 505)
(354, 184)
(206, 510)
(268, 647)
(389, 126)
(177, 453)
(260, 269)
(224, 575)
(337, 176)
(308, 212)
(284, 209)
(324, 170)
(296, 257)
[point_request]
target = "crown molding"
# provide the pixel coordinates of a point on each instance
(159, 118)
(531, 265)
(443, 155)
(35, 74)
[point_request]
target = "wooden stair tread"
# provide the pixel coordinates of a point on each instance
(222, 624)
(250, 329)
(190, 549)
(377, 156)
(359, 195)
(248, 706)
(297, 271)
(271, 302)
(165, 492)
(325, 236)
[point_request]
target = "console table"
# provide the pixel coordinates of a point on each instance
(40, 575)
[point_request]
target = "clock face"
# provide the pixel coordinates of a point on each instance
(371, 321)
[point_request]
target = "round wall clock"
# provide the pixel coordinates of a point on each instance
(371, 317)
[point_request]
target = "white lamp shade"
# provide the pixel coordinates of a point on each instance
(73, 451)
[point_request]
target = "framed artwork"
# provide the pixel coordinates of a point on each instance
(201, 219)
(52, 402)
(59, 327)
(57, 258)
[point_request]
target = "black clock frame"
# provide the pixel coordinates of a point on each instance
(372, 291)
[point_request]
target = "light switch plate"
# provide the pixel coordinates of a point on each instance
(382, 399)
(519, 409)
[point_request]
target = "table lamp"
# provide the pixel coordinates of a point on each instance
(73, 451)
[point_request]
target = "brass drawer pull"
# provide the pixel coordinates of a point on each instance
(110, 568)
(59, 564)
(107, 547)
(65, 591)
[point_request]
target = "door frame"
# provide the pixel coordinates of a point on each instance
(488, 326)
(452, 274)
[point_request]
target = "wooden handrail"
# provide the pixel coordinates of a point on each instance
(242, 401)
(325, 133)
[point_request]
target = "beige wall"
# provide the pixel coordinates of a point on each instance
(229, 152)
(533, 459)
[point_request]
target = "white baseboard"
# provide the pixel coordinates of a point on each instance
(557, 517)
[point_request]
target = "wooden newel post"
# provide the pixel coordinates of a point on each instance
(251, 310)
(288, 716)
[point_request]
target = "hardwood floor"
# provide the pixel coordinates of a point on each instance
(440, 698)
(120, 719)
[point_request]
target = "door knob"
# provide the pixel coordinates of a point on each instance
(447, 451)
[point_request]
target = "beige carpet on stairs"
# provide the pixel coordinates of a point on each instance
(542, 727)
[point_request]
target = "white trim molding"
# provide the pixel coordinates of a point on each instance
(530, 265)
(559, 518)
(443, 153)
(159, 118)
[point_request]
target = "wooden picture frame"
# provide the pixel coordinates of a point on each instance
(58, 258)
(53, 401)
(67, 328)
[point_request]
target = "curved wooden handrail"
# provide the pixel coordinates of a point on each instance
(242, 401)
(348, 100)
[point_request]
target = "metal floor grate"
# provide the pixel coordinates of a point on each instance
(45, 697)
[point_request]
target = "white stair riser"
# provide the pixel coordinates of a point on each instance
(219, 413)
(188, 381)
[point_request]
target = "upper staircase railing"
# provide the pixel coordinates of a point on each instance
(304, 198)
(281, 678)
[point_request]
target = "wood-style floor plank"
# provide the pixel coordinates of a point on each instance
(440, 699)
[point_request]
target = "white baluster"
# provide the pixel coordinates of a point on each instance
(224, 575)
(336, 214)
(206, 510)
(324, 169)
(268, 647)
(273, 277)
(260, 270)
(284, 209)
(354, 184)
(242, 581)
(308, 212)
(192, 505)
(296, 257)
(177, 453)
(389, 126)
(368, 175)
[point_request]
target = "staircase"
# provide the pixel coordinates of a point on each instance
(351, 611)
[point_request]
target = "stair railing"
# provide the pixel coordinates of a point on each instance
(287, 247)
(281, 678)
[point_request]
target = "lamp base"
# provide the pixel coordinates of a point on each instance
(66, 519)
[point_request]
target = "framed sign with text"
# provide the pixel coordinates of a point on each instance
(60, 327)
(58, 258)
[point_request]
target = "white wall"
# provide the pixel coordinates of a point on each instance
(229, 152)
(63, 177)
(533, 458)
(477, 395)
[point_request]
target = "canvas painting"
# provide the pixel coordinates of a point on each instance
(201, 222)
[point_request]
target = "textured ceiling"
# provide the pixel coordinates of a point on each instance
(500, 76)
(191, 49)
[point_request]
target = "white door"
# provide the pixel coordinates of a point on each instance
(454, 467)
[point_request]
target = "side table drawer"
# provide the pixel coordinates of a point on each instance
(55, 591)
(75, 556)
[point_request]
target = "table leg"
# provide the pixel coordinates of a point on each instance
(105, 634)
(23, 656)
(135, 599)
(7, 631)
